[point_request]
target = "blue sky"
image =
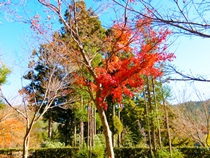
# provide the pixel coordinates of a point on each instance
(17, 42)
(192, 57)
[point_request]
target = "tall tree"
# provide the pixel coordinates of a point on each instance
(41, 67)
(114, 75)
(132, 116)
(52, 85)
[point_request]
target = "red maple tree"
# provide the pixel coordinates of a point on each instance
(131, 51)
(135, 52)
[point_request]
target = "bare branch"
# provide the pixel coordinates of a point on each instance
(185, 77)
(188, 18)
(14, 108)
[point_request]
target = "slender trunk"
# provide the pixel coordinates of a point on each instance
(26, 139)
(94, 120)
(93, 125)
(148, 124)
(167, 121)
(113, 115)
(88, 130)
(119, 135)
(66, 136)
(81, 133)
(26, 146)
(82, 126)
(167, 125)
(50, 124)
(152, 118)
(75, 132)
(107, 133)
(159, 136)
(156, 114)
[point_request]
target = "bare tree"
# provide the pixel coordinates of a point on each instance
(193, 120)
(83, 58)
(54, 87)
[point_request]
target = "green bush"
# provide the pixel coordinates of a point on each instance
(118, 126)
(96, 152)
(177, 153)
(99, 140)
(164, 153)
(82, 153)
(52, 144)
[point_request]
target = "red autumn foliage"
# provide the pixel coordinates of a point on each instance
(136, 52)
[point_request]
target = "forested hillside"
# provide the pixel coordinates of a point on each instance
(192, 122)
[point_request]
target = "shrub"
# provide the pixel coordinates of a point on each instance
(82, 153)
(96, 152)
(132, 152)
(164, 153)
(194, 152)
(52, 144)
(54, 153)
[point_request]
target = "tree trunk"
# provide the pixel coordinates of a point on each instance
(50, 124)
(113, 114)
(82, 133)
(26, 140)
(167, 124)
(25, 146)
(27, 137)
(156, 114)
(75, 132)
(148, 123)
(90, 127)
(88, 134)
(151, 108)
(119, 135)
(107, 133)
(93, 126)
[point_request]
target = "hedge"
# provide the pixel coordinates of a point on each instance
(54, 152)
(124, 152)
(131, 152)
(10, 153)
(195, 152)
